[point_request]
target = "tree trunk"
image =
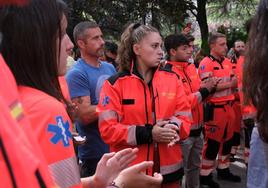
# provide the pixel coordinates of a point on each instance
(203, 24)
(154, 12)
(176, 31)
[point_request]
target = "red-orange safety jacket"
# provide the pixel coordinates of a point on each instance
(195, 94)
(128, 108)
(21, 162)
(210, 66)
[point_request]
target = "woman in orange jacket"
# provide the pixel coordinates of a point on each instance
(145, 106)
(35, 67)
(21, 161)
(35, 46)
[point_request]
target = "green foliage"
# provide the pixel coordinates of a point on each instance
(165, 15)
(113, 15)
(110, 15)
(233, 34)
(235, 12)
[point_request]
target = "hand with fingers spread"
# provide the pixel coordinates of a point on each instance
(111, 164)
(163, 134)
(134, 177)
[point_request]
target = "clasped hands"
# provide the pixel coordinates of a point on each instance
(166, 132)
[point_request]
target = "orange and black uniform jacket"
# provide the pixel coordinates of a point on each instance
(195, 94)
(210, 66)
(129, 108)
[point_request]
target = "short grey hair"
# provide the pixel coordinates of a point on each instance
(214, 36)
(79, 29)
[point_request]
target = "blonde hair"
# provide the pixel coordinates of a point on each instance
(133, 34)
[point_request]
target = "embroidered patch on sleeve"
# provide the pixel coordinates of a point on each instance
(202, 67)
(61, 131)
(105, 101)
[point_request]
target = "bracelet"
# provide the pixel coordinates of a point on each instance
(113, 185)
(174, 123)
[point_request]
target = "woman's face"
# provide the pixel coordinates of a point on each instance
(149, 50)
(66, 47)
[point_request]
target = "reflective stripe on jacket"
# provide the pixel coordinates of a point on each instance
(191, 83)
(209, 66)
(128, 108)
(52, 125)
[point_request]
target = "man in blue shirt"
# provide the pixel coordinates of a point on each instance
(85, 81)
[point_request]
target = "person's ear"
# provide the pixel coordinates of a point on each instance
(172, 52)
(80, 44)
(136, 49)
(212, 45)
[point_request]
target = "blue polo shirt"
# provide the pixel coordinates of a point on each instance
(86, 80)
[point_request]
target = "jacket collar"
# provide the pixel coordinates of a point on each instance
(215, 59)
(180, 65)
(134, 70)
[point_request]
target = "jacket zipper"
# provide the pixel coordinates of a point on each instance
(153, 102)
(156, 148)
(147, 121)
(146, 111)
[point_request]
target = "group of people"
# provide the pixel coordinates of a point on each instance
(156, 106)
(36, 136)
(161, 120)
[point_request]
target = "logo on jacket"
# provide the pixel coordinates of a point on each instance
(169, 95)
(212, 130)
(105, 101)
(202, 67)
(61, 131)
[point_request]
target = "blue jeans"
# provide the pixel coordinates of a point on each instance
(258, 162)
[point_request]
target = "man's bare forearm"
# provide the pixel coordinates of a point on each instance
(86, 113)
(89, 116)
(223, 86)
(227, 85)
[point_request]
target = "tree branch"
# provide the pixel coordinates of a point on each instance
(192, 11)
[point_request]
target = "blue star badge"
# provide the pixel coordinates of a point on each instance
(61, 131)
(213, 129)
(105, 101)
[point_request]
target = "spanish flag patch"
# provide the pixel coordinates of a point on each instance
(16, 110)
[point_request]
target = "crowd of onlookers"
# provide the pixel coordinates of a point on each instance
(125, 115)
